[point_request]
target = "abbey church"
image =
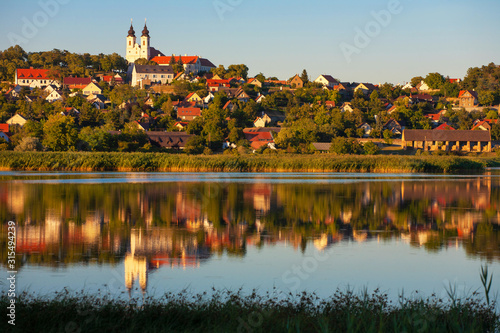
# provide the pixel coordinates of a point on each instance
(143, 49)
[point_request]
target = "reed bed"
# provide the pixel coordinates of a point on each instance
(84, 161)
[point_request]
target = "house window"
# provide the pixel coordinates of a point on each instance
(129, 43)
(143, 42)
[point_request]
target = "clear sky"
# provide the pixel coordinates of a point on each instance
(275, 37)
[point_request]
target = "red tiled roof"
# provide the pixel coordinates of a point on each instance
(165, 60)
(434, 116)
(444, 127)
(4, 128)
(463, 92)
(77, 80)
(188, 112)
(25, 73)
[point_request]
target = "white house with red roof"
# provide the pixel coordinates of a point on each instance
(30, 77)
(261, 136)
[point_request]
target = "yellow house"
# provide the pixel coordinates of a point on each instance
(17, 119)
(194, 97)
(92, 89)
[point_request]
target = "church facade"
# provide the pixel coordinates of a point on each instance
(137, 49)
(141, 48)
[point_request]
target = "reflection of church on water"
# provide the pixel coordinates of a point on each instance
(153, 249)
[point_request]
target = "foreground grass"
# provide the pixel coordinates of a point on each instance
(226, 311)
(80, 161)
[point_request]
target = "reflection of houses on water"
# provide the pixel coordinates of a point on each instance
(475, 193)
(326, 240)
(158, 247)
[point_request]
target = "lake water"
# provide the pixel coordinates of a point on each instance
(135, 234)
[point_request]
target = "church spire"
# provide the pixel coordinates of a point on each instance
(131, 32)
(145, 31)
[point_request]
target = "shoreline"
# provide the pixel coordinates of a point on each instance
(163, 162)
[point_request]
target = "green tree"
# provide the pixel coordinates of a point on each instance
(220, 71)
(342, 146)
(96, 139)
(486, 98)
(388, 135)
(237, 71)
(492, 114)
(304, 76)
(195, 145)
(60, 133)
(416, 81)
(434, 80)
(495, 131)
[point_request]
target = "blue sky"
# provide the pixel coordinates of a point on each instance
(278, 38)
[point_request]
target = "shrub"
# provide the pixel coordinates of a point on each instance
(341, 146)
(371, 148)
(29, 144)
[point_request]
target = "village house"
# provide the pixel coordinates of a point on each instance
(327, 81)
(92, 89)
(55, 95)
(261, 136)
(467, 98)
(296, 82)
(367, 129)
(255, 82)
(188, 114)
(5, 132)
(169, 140)
(422, 86)
(191, 64)
(444, 127)
(269, 118)
(346, 107)
(484, 125)
(17, 119)
(194, 97)
(76, 82)
(393, 126)
(260, 98)
(181, 125)
(458, 140)
(110, 79)
(230, 106)
(35, 78)
(151, 73)
(366, 88)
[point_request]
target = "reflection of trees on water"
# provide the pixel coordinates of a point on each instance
(183, 224)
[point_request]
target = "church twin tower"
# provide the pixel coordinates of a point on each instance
(136, 51)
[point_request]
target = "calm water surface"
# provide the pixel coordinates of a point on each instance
(133, 234)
